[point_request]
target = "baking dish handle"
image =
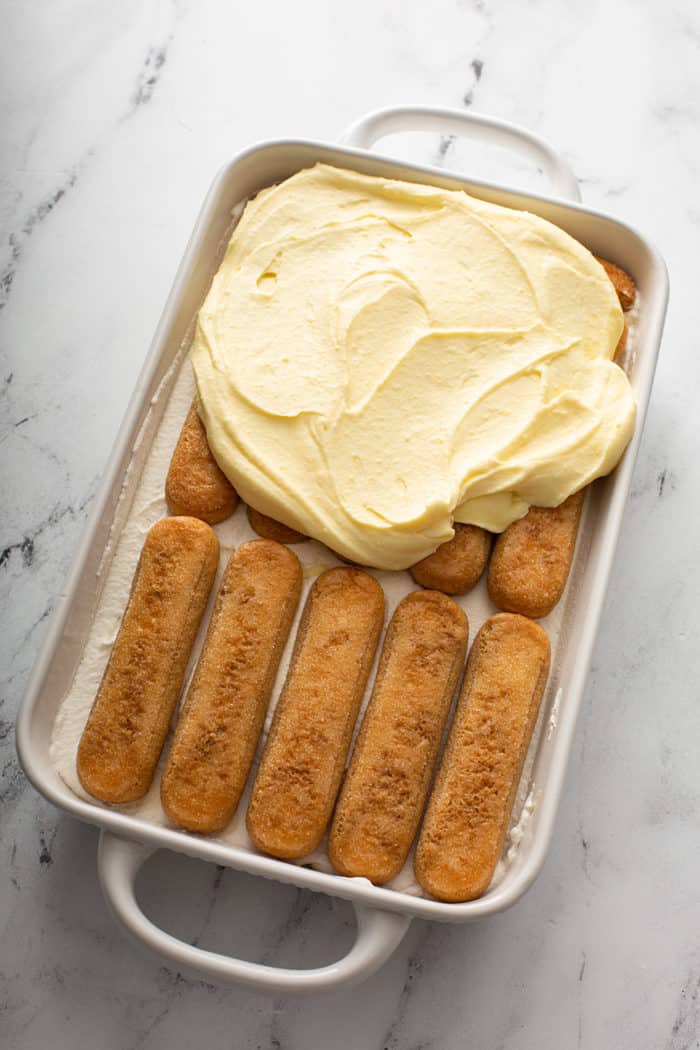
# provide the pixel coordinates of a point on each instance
(379, 933)
(365, 132)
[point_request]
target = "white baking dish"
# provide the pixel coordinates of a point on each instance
(383, 915)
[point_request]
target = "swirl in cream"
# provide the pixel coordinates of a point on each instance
(376, 359)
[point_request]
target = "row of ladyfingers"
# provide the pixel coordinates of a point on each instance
(297, 788)
(386, 785)
(531, 560)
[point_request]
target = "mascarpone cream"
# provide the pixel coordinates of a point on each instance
(376, 359)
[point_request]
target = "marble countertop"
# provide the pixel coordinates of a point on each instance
(114, 119)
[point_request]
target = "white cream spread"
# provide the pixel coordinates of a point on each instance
(376, 359)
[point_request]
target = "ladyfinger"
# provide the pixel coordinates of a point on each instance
(531, 560)
(303, 761)
(195, 484)
(124, 735)
(273, 530)
(471, 803)
(621, 282)
(385, 788)
(456, 566)
(223, 714)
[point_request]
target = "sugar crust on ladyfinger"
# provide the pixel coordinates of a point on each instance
(304, 757)
(125, 731)
(470, 806)
(456, 566)
(195, 484)
(385, 787)
(531, 560)
(223, 714)
(271, 529)
(621, 282)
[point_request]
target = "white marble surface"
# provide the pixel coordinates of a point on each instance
(114, 118)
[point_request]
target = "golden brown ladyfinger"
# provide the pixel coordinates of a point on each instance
(471, 803)
(304, 757)
(621, 282)
(195, 484)
(129, 720)
(531, 560)
(456, 566)
(384, 791)
(273, 530)
(223, 714)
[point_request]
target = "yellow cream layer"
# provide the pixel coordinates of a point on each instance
(376, 359)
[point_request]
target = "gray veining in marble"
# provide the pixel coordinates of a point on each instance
(113, 120)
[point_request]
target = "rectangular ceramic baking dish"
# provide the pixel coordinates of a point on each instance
(383, 915)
